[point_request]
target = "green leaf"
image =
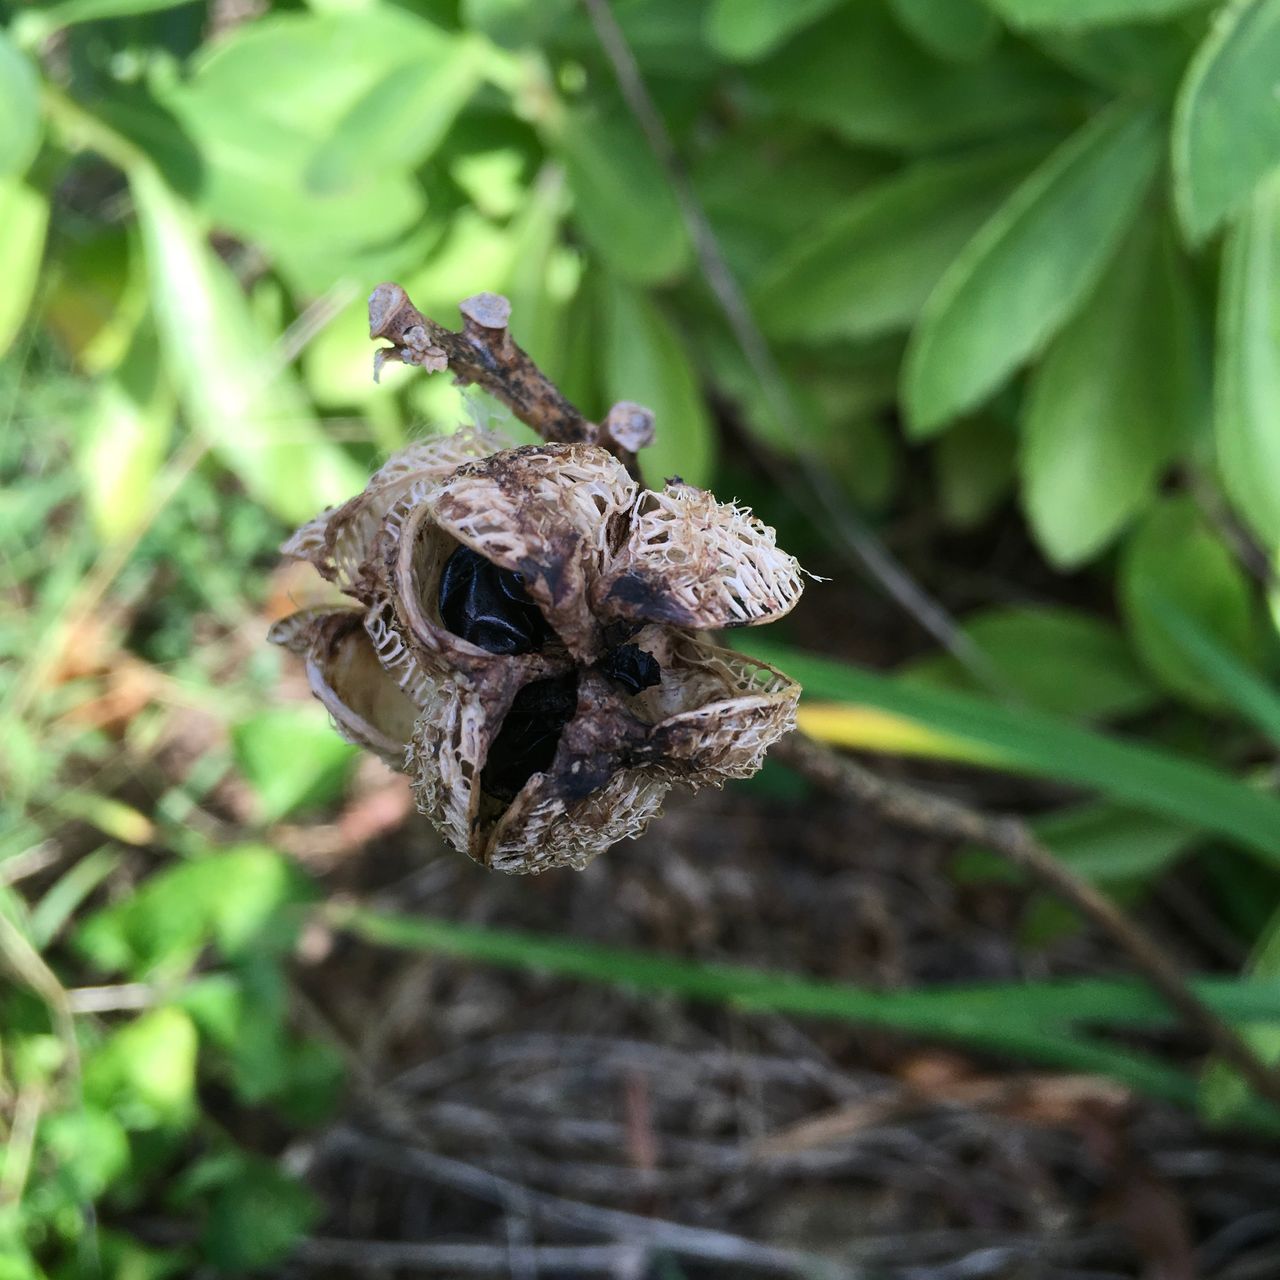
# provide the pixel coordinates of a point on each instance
(88, 1147)
(1247, 389)
(252, 414)
(128, 435)
(622, 201)
(401, 120)
(145, 1074)
(1103, 842)
(1054, 659)
(292, 759)
(24, 218)
(746, 30)
(257, 149)
(1173, 556)
(257, 1217)
(959, 30)
(1223, 1091)
(859, 73)
(19, 110)
(974, 469)
(1031, 742)
(1226, 129)
(1113, 401)
(35, 25)
(645, 361)
(1035, 15)
(868, 268)
(1029, 267)
(1252, 697)
(234, 898)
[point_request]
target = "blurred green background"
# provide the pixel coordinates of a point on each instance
(1017, 265)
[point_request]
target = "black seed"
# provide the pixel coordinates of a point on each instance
(631, 667)
(526, 743)
(488, 606)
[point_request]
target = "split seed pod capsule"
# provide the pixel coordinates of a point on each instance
(526, 641)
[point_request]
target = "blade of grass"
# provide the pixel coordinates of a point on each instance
(1029, 1021)
(1031, 742)
(1252, 697)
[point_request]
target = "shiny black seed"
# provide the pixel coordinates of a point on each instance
(526, 743)
(631, 667)
(488, 606)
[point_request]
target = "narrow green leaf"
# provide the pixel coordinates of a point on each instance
(859, 73)
(1024, 1019)
(1174, 557)
(1112, 402)
(19, 110)
(645, 361)
(746, 30)
(127, 438)
(1247, 390)
(1031, 742)
(959, 30)
(1226, 129)
(252, 414)
(1057, 660)
(1223, 1091)
(869, 267)
(1236, 684)
(621, 198)
(24, 220)
(1029, 267)
(1035, 15)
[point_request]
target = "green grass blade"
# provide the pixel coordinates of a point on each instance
(1251, 696)
(1030, 1021)
(1030, 742)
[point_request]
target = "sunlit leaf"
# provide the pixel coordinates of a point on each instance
(127, 437)
(401, 119)
(868, 268)
(292, 759)
(19, 110)
(24, 218)
(1115, 398)
(1029, 267)
(232, 389)
(145, 1073)
(1173, 556)
(1226, 132)
(1247, 389)
(645, 361)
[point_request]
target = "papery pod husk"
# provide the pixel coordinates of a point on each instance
(367, 704)
(713, 716)
(340, 542)
(550, 513)
(692, 561)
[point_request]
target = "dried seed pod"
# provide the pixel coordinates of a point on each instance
(527, 644)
